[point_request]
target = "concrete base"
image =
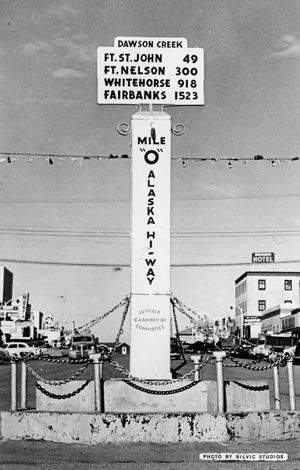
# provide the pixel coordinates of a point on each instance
(120, 397)
(89, 428)
(247, 395)
(82, 402)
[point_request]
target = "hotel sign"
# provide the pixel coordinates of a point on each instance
(267, 257)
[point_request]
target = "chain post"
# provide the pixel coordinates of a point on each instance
(291, 382)
(13, 405)
(276, 387)
(98, 381)
(23, 386)
(219, 356)
(196, 360)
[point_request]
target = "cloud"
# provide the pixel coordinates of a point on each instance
(46, 102)
(64, 10)
(86, 53)
(32, 48)
(289, 47)
(68, 73)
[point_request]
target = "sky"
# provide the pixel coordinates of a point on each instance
(78, 211)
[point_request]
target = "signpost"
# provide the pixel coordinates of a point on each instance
(152, 74)
(150, 71)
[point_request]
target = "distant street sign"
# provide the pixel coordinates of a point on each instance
(263, 257)
(150, 71)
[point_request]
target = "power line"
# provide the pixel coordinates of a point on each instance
(126, 265)
(94, 233)
(177, 199)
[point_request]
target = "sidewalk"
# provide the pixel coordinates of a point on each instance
(19, 455)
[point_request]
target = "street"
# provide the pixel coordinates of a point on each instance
(19, 455)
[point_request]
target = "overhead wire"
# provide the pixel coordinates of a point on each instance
(126, 265)
(177, 199)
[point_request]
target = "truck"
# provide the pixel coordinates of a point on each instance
(277, 343)
(82, 345)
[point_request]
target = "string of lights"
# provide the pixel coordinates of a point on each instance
(12, 157)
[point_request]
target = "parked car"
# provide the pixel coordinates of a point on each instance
(199, 347)
(296, 360)
(243, 352)
(3, 357)
(19, 349)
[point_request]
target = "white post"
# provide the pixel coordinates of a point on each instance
(13, 388)
(276, 387)
(23, 386)
(150, 246)
(196, 360)
(219, 356)
(291, 384)
(98, 371)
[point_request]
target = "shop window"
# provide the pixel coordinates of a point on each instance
(288, 284)
(261, 284)
(261, 305)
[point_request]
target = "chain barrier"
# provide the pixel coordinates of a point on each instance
(255, 388)
(126, 372)
(52, 359)
(62, 397)
(281, 361)
(161, 392)
(174, 371)
(56, 382)
(121, 331)
(181, 307)
(96, 320)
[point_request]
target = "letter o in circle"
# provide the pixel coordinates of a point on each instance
(153, 159)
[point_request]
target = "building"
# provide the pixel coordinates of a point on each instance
(6, 285)
(18, 322)
(291, 323)
(271, 320)
(122, 348)
(225, 327)
(259, 291)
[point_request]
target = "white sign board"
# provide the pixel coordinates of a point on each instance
(150, 337)
(150, 246)
(151, 175)
(164, 72)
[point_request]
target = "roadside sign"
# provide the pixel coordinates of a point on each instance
(263, 257)
(164, 72)
(150, 42)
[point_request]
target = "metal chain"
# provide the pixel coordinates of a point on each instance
(177, 333)
(96, 320)
(181, 307)
(61, 397)
(279, 362)
(56, 382)
(58, 361)
(120, 329)
(255, 388)
(161, 392)
(126, 372)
